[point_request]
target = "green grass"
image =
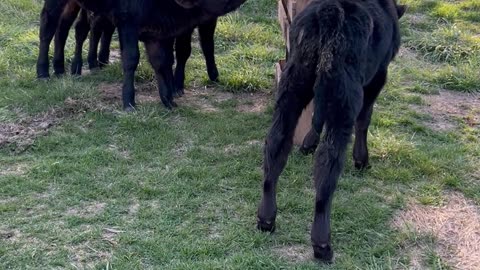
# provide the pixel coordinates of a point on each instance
(178, 190)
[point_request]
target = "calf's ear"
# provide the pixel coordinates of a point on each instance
(188, 3)
(401, 10)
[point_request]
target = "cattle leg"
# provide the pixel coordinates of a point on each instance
(96, 29)
(206, 33)
(49, 19)
(371, 91)
(106, 41)
(183, 50)
(66, 21)
(310, 142)
(160, 56)
(278, 145)
(128, 35)
(339, 120)
(81, 32)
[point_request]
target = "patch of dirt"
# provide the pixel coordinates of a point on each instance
(84, 256)
(295, 253)
(455, 225)
(110, 235)
(17, 169)
(22, 133)
(254, 103)
(10, 235)
(448, 106)
(112, 93)
(133, 209)
(406, 54)
(119, 152)
(87, 210)
(204, 99)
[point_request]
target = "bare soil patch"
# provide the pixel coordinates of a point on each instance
(22, 133)
(448, 108)
(455, 225)
(87, 210)
(204, 99)
(294, 253)
(16, 169)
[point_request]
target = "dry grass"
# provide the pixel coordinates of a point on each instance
(456, 226)
(448, 107)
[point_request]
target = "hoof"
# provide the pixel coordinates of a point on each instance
(43, 77)
(266, 226)
(213, 75)
(362, 165)
(170, 105)
(305, 150)
(323, 253)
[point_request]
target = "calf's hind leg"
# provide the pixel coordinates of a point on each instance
(82, 28)
(371, 91)
(128, 35)
(330, 157)
(160, 55)
(49, 19)
(206, 33)
(292, 99)
(67, 19)
(183, 50)
(106, 41)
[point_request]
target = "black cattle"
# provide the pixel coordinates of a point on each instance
(156, 23)
(183, 50)
(56, 19)
(340, 53)
(101, 28)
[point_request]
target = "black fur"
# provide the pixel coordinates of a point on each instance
(340, 52)
(156, 23)
(56, 19)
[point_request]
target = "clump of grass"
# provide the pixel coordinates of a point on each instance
(464, 78)
(448, 11)
(446, 44)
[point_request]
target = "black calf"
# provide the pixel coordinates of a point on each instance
(101, 31)
(156, 23)
(56, 19)
(183, 50)
(340, 52)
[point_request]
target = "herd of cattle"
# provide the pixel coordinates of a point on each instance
(339, 55)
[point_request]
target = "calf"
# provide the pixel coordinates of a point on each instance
(183, 49)
(101, 29)
(340, 53)
(56, 19)
(156, 23)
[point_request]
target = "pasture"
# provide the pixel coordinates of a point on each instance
(84, 185)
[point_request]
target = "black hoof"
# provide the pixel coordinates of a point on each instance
(324, 253)
(306, 150)
(213, 75)
(266, 226)
(43, 77)
(362, 165)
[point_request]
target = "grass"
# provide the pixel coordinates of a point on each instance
(179, 190)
